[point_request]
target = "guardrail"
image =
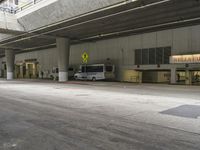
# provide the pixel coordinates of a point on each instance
(16, 10)
(27, 6)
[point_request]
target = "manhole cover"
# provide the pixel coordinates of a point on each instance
(187, 111)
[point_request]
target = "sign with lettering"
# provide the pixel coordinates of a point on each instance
(185, 59)
(30, 60)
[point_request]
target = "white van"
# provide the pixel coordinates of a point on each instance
(95, 72)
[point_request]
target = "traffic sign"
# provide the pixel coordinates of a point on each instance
(85, 57)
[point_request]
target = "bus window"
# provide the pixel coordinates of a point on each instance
(94, 68)
(83, 69)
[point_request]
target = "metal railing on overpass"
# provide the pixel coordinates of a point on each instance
(27, 5)
(19, 9)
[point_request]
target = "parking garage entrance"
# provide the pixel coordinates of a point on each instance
(147, 76)
(155, 76)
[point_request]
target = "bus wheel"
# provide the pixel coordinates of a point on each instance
(93, 79)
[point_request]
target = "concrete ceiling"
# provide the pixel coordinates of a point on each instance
(1, 1)
(133, 18)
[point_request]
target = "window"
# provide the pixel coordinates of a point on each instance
(152, 56)
(94, 68)
(145, 56)
(138, 56)
(159, 55)
(83, 69)
(167, 54)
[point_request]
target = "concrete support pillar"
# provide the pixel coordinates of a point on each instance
(21, 71)
(63, 46)
(10, 59)
(188, 77)
(173, 76)
(140, 77)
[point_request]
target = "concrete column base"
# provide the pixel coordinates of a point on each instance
(188, 76)
(10, 75)
(173, 76)
(63, 46)
(63, 76)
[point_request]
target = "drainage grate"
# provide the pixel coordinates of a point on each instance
(186, 111)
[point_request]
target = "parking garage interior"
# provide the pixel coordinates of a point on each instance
(99, 75)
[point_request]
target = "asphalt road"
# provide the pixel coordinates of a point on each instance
(42, 115)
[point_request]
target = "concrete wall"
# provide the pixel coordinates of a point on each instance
(121, 50)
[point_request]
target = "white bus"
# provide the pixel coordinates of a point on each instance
(95, 72)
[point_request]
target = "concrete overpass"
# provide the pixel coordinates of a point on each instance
(24, 24)
(9, 24)
(96, 20)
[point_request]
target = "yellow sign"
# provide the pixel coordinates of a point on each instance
(85, 57)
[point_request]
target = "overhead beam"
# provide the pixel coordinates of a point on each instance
(47, 28)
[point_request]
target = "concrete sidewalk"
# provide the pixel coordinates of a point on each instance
(98, 116)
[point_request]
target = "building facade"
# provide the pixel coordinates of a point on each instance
(148, 57)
